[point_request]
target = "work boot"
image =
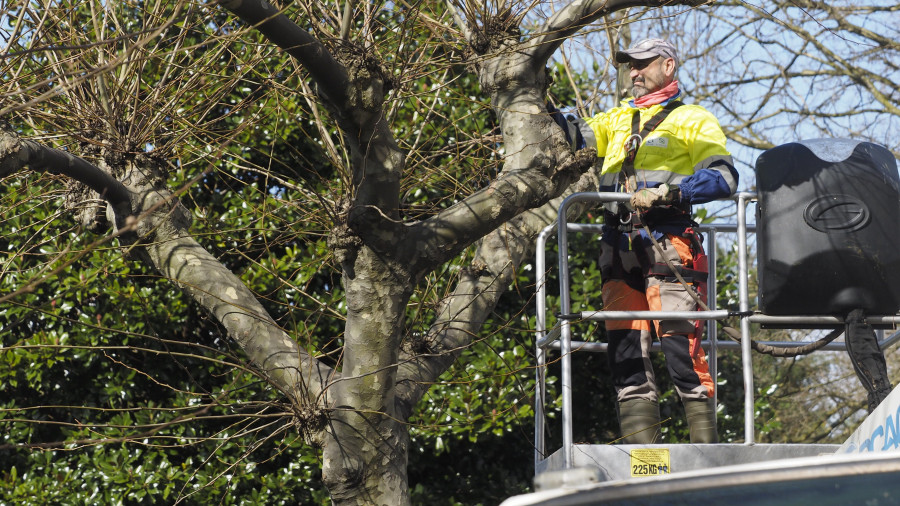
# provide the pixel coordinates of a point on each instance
(639, 421)
(701, 419)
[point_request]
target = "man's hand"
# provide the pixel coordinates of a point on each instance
(662, 195)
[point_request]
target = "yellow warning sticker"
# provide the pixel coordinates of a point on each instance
(650, 462)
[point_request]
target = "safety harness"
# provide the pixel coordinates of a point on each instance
(628, 176)
(624, 219)
(630, 222)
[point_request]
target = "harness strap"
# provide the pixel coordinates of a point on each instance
(638, 134)
(662, 270)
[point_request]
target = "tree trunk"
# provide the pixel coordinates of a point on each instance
(365, 452)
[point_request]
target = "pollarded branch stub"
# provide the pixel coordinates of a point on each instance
(478, 268)
(345, 244)
(89, 210)
(144, 172)
(87, 205)
(575, 165)
(342, 241)
(160, 210)
(497, 32)
(370, 82)
(10, 153)
(420, 341)
(311, 422)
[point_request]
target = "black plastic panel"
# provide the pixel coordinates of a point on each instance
(828, 224)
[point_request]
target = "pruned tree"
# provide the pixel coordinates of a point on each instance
(146, 105)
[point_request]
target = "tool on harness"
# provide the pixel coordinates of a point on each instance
(633, 142)
(695, 277)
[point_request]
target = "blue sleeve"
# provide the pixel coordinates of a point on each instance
(706, 185)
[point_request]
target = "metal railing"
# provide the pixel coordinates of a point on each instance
(560, 337)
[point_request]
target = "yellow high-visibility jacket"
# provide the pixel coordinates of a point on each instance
(687, 149)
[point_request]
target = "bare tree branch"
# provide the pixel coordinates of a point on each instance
(449, 232)
(172, 251)
(329, 74)
(580, 13)
(16, 153)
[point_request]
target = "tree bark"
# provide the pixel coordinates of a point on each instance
(365, 455)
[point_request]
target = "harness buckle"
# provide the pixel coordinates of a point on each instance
(632, 143)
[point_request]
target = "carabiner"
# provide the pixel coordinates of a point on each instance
(632, 143)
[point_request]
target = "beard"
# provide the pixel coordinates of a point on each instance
(638, 90)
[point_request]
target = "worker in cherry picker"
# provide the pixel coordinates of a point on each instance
(668, 155)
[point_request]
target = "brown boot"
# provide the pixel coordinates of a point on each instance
(701, 418)
(639, 421)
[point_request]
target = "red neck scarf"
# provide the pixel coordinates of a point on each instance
(659, 96)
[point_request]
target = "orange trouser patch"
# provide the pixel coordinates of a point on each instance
(618, 296)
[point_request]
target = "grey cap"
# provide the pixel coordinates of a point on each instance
(646, 49)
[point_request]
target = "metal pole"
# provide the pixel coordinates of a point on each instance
(746, 358)
(565, 337)
(595, 347)
(821, 321)
(565, 306)
(712, 330)
(720, 314)
(540, 323)
(889, 341)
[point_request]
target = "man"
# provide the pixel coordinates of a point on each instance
(669, 155)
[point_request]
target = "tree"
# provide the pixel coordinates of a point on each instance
(149, 103)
